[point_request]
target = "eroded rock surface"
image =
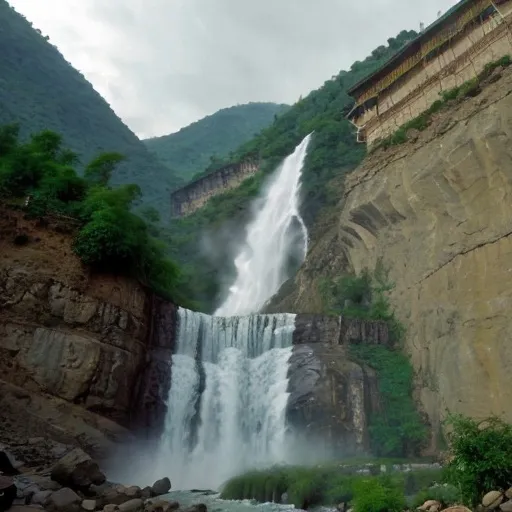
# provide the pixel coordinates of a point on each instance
(76, 348)
(437, 210)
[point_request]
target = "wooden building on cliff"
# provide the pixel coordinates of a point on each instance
(452, 50)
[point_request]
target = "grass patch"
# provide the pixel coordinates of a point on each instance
(328, 485)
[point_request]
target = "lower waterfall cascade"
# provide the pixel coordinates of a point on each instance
(226, 410)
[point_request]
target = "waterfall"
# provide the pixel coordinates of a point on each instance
(227, 402)
(226, 409)
(276, 231)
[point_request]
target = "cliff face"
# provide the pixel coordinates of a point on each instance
(195, 195)
(437, 211)
(70, 340)
(331, 397)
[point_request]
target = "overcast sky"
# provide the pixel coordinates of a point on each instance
(163, 64)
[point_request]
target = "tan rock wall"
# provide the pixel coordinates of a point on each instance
(438, 212)
(196, 194)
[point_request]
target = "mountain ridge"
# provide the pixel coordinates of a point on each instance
(206, 143)
(40, 90)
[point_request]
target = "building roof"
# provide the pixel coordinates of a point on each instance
(410, 47)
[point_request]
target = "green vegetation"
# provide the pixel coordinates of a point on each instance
(482, 455)
(40, 90)
(363, 296)
(378, 496)
(446, 494)
(481, 452)
(333, 152)
(110, 237)
(207, 143)
(467, 89)
(307, 486)
(397, 429)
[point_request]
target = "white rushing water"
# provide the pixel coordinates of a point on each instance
(227, 402)
(226, 410)
(276, 231)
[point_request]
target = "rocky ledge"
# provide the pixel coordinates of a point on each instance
(46, 475)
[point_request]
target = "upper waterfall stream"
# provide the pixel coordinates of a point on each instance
(275, 233)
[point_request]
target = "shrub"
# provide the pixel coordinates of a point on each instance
(482, 455)
(469, 88)
(446, 494)
(377, 495)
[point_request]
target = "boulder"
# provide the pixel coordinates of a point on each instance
(430, 505)
(508, 494)
(162, 486)
(45, 483)
(506, 507)
(7, 492)
(89, 505)
(64, 499)
(198, 507)
(132, 505)
(114, 497)
(146, 493)
(457, 508)
(161, 506)
(110, 507)
(133, 491)
(492, 500)
(77, 470)
(41, 498)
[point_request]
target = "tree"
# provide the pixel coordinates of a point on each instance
(100, 169)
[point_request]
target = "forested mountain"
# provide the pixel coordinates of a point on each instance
(211, 139)
(333, 152)
(39, 89)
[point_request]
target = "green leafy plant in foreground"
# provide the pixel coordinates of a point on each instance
(482, 456)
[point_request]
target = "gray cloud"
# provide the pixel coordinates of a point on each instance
(164, 63)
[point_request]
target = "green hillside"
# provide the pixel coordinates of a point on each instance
(211, 139)
(40, 90)
(333, 152)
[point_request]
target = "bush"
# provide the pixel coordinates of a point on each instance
(446, 494)
(482, 455)
(363, 296)
(470, 88)
(378, 496)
